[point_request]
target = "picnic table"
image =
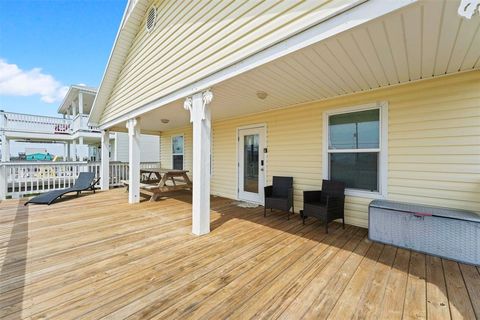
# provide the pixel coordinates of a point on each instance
(178, 178)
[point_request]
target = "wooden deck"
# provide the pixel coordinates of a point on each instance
(96, 256)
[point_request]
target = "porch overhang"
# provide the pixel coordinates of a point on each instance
(374, 45)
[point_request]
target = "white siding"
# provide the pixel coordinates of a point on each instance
(149, 146)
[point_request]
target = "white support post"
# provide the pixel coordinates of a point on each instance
(200, 116)
(69, 158)
(114, 147)
(133, 126)
(5, 149)
(3, 182)
(74, 109)
(65, 151)
(105, 162)
(74, 156)
(80, 102)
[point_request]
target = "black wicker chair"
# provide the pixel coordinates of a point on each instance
(279, 195)
(326, 205)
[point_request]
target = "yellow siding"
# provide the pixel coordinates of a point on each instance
(433, 152)
(166, 147)
(193, 39)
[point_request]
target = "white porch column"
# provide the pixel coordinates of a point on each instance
(74, 156)
(133, 126)
(80, 102)
(5, 149)
(114, 147)
(105, 164)
(200, 116)
(65, 151)
(69, 158)
(74, 109)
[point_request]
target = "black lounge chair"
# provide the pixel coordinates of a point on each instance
(326, 205)
(279, 195)
(85, 181)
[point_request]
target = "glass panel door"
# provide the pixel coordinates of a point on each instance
(251, 170)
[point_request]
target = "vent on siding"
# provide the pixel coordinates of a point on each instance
(152, 16)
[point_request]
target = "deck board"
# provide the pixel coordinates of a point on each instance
(97, 256)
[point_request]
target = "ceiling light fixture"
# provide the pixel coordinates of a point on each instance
(262, 95)
(165, 121)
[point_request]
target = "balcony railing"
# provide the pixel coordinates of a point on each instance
(18, 122)
(18, 179)
(80, 123)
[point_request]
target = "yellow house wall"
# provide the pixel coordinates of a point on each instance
(193, 39)
(433, 144)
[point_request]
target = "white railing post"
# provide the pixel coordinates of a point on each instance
(3, 182)
(105, 161)
(133, 126)
(200, 116)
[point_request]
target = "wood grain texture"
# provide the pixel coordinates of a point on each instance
(96, 257)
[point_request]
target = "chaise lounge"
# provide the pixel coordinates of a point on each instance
(85, 181)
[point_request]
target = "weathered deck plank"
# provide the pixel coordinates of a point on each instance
(97, 256)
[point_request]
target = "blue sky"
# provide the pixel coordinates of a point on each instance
(46, 45)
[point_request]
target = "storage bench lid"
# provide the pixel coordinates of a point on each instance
(426, 210)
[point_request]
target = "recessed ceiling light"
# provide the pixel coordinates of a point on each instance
(165, 121)
(262, 95)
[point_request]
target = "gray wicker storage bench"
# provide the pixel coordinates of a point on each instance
(447, 233)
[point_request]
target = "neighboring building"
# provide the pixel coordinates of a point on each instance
(81, 141)
(39, 157)
(383, 95)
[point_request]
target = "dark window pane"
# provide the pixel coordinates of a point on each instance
(354, 130)
(178, 162)
(356, 170)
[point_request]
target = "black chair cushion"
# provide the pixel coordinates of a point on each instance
(277, 203)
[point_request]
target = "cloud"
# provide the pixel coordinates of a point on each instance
(17, 82)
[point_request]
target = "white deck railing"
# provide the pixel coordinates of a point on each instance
(19, 122)
(18, 179)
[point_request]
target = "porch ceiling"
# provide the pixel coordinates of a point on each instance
(387, 51)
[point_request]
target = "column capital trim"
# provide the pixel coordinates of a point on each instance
(207, 97)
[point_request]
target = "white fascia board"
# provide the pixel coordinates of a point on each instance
(354, 17)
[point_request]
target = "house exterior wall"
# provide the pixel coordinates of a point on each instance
(433, 145)
(193, 39)
(166, 148)
(149, 144)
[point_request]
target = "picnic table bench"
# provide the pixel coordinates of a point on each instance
(178, 179)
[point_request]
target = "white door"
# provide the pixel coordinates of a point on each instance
(251, 164)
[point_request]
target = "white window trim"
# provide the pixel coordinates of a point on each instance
(383, 150)
(183, 149)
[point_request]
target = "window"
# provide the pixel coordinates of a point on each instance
(355, 149)
(177, 152)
